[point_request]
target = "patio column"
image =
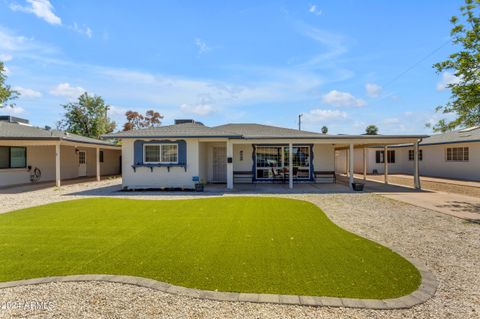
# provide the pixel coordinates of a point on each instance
(350, 166)
(57, 165)
(98, 163)
(229, 165)
(417, 168)
(364, 163)
(385, 163)
(290, 165)
(346, 161)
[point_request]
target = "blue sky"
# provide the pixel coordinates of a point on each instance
(342, 64)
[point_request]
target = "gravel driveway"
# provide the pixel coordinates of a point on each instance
(447, 245)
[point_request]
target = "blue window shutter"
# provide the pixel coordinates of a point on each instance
(138, 150)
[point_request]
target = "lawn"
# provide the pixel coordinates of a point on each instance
(237, 244)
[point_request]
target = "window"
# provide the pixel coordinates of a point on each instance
(82, 159)
(101, 156)
(411, 155)
(241, 155)
(274, 160)
(160, 153)
(457, 154)
(380, 158)
(13, 157)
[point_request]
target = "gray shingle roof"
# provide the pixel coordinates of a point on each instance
(14, 131)
(459, 136)
(250, 130)
(176, 131)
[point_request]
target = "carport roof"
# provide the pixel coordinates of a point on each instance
(15, 131)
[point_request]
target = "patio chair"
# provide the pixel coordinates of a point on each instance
(278, 175)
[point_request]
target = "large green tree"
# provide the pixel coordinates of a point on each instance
(7, 95)
(371, 130)
(465, 65)
(88, 116)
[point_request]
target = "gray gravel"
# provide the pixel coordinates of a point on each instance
(448, 246)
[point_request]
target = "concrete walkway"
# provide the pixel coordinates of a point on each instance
(461, 206)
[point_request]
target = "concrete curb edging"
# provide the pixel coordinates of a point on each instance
(424, 292)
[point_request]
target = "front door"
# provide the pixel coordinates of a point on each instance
(219, 165)
(82, 163)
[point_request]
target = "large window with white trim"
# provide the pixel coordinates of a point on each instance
(13, 157)
(160, 153)
(273, 162)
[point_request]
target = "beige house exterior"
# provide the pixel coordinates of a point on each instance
(31, 154)
(184, 154)
(454, 155)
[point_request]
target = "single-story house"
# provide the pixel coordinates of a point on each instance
(32, 154)
(188, 152)
(454, 154)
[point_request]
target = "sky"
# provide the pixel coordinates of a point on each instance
(342, 64)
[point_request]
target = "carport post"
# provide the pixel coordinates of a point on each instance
(350, 167)
(98, 163)
(290, 165)
(385, 163)
(417, 169)
(229, 165)
(57, 165)
(364, 163)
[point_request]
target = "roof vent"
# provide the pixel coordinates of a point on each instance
(48, 128)
(184, 121)
(13, 119)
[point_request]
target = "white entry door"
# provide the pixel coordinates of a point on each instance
(219, 165)
(82, 163)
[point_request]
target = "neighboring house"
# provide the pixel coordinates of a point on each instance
(453, 155)
(180, 155)
(30, 153)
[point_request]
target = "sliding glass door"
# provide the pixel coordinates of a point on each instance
(273, 162)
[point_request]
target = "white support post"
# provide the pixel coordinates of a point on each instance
(57, 165)
(290, 165)
(98, 163)
(364, 164)
(417, 168)
(350, 166)
(347, 168)
(385, 163)
(229, 165)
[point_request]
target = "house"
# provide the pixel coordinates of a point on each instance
(31, 154)
(453, 155)
(181, 155)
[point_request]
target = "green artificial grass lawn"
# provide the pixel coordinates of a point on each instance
(237, 244)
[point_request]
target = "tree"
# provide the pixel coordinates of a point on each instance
(137, 121)
(324, 130)
(465, 90)
(371, 130)
(87, 116)
(7, 95)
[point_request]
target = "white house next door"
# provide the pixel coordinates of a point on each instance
(219, 165)
(82, 163)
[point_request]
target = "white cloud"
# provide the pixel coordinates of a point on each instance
(204, 106)
(85, 30)
(10, 42)
(373, 90)
(5, 57)
(12, 110)
(65, 89)
(322, 115)
(26, 92)
(340, 99)
(43, 9)
(447, 78)
(314, 10)
(202, 46)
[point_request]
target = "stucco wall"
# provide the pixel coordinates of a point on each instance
(323, 157)
(111, 162)
(160, 177)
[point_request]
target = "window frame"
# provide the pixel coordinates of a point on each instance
(412, 153)
(101, 156)
(160, 152)
(10, 157)
(463, 150)
(381, 153)
(283, 161)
